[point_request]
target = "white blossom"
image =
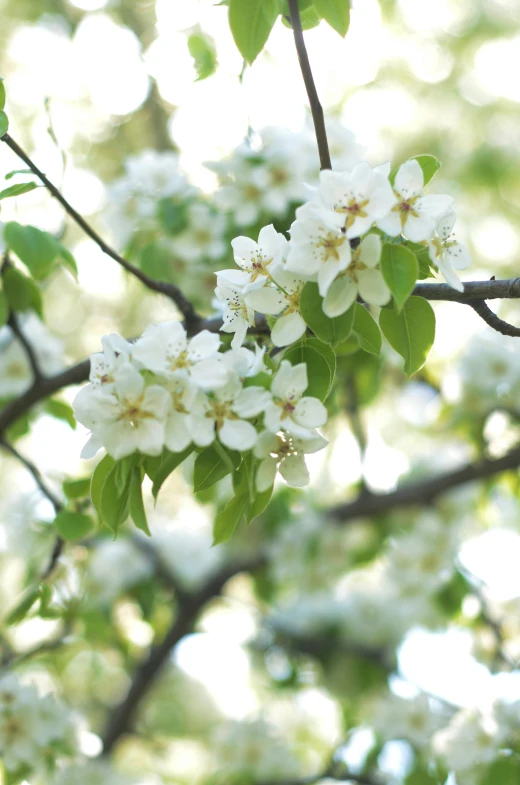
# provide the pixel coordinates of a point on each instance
(283, 302)
(289, 410)
(256, 260)
(16, 374)
(447, 253)
(411, 719)
(359, 198)
(166, 350)
(413, 215)
(238, 314)
(203, 238)
(319, 249)
(470, 741)
(130, 418)
(33, 729)
(360, 277)
(225, 413)
(252, 752)
(286, 454)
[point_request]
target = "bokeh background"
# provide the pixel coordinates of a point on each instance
(90, 86)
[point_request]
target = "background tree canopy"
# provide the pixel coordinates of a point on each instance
(364, 628)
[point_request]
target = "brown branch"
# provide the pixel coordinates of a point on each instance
(35, 474)
(38, 375)
(168, 289)
(423, 491)
(508, 289)
(494, 321)
(316, 107)
(122, 716)
(340, 775)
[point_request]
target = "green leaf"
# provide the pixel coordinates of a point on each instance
(425, 269)
(202, 48)
(321, 365)
(366, 330)
(399, 268)
(228, 519)
(99, 477)
(36, 249)
(4, 123)
(61, 410)
(137, 511)
(336, 13)
(168, 464)
(17, 190)
(429, 165)
(21, 292)
(23, 606)
(331, 331)
(11, 174)
(251, 21)
(260, 503)
(115, 496)
(2, 94)
(4, 309)
(411, 333)
(77, 489)
(211, 466)
(73, 525)
(505, 771)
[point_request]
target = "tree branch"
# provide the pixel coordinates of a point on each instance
(121, 717)
(494, 321)
(168, 289)
(316, 107)
(423, 491)
(29, 350)
(508, 289)
(35, 474)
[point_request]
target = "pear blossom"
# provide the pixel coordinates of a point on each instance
(289, 410)
(103, 365)
(283, 302)
(130, 418)
(165, 349)
(413, 215)
(203, 238)
(33, 729)
(412, 719)
(238, 314)
(256, 260)
(359, 198)
(244, 362)
(470, 741)
(225, 413)
(285, 453)
(360, 277)
(177, 434)
(319, 249)
(448, 253)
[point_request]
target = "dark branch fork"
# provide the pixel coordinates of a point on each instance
(168, 289)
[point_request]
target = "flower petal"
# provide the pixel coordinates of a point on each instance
(265, 474)
(288, 329)
(373, 288)
(294, 471)
(238, 435)
(340, 296)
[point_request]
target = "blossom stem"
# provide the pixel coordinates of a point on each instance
(305, 66)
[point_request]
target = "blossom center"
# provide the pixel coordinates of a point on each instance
(405, 208)
(220, 411)
(354, 208)
(133, 413)
(330, 244)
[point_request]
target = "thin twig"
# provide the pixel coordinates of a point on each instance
(122, 716)
(494, 321)
(168, 289)
(314, 101)
(37, 372)
(35, 474)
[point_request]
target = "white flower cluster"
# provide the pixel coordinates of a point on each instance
(98, 773)
(252, 752)
(486, 376)
(132, 199)
(34, 730)
(331, 245)
(470, 741)
(376, 605)
(266, 176)
(409, 719)
(170, 391)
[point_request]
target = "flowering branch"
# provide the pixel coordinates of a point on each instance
(314, 101)
(168, 289)
(190, 606)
